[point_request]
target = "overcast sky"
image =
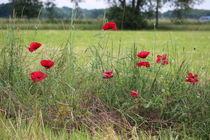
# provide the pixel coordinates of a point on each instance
(97, 4)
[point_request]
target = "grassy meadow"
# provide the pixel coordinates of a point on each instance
(75, 102)
(190, 45)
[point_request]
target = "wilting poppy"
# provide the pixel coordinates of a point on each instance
(108, 74)
(162, 59)
(192, 78)
(142, 63)
(110, 25)
(134, 94)
(143, 54)
(47, 63)
(34, 46)
(37, 76)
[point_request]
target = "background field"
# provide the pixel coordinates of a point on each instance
(96, 24)
(191, 45)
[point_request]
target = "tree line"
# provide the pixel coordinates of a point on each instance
(132, 14)
(58, 13)
(128, 14)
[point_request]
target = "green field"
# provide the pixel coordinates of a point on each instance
(75, 102)
(191, 45)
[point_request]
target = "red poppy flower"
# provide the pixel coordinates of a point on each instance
(34, 46)
(192, 78)
(110, 25)
(134, 94)
(108, 74)
(47, 63)
(162, 59)
(142, 63)
(143, 54)
(37, 76)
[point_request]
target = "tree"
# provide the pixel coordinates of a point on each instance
(26, 8)
(50, 5)
(182, 7)
(5, 10)
(158, 5)
(130, 14)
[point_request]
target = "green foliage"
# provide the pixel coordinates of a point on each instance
(129, 15)
(182, 7)
(127, 18)
(5, 10)
(26, 8)
(178, 16)
(65, 12)
(192, 14)
(51, 11)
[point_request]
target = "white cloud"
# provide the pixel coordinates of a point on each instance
(4, 1)
(204, 5)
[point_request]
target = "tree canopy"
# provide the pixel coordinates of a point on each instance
(182, 7)
(128, 14)
(26, 8)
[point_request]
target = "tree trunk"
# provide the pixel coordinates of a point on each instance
(157, 13)
(138, 5)
(122, 2)
(133, 3)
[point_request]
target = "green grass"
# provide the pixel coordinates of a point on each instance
(75, 98)
(191, 45)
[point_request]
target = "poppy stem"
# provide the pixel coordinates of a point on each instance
(153, 83)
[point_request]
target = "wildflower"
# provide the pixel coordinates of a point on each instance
(110, 25)
(38, 76)
(142, 63)
(108, 74)
(162, 59)
(134, 94)
(192, 78)
(34, 46)
(47, 63)
(143, 54)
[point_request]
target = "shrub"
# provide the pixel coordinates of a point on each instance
(127, 18)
